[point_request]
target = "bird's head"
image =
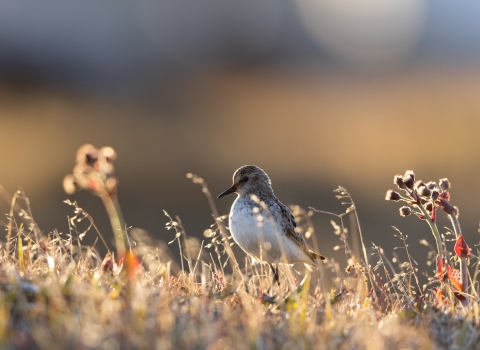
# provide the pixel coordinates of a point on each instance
(249, 179)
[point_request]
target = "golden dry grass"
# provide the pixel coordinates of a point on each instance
(58, 294)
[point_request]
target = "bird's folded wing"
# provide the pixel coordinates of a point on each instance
(290, 223)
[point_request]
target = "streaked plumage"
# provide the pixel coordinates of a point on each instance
(262, 225)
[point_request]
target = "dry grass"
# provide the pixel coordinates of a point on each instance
(57, 293)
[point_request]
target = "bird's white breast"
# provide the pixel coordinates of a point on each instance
(260, 234)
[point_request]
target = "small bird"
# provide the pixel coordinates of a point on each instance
(262, 225)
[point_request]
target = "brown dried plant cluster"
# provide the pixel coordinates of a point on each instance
(57, 293)
(423, 200)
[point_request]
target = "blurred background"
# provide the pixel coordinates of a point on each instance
(317, 93)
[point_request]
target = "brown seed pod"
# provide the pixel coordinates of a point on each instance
(424, 191)
(444, 184)
(405, 211)
(398, 180)
(392, 196)
(409, 179)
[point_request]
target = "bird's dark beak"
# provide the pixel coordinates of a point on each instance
(230, 190)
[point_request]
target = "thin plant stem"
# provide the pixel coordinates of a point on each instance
(116, 220)
(363, 247)
(456, 225)
(409, 260)
(433, 228)
(10, 224)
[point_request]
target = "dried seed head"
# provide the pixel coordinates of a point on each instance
(424, 191)
(91, 158)
(398, 180)
(419, 184)
(87, 154)
(392, 196)
(431, 185)
(444, 184)
(409, 179)
(435, 194)
(405, 211)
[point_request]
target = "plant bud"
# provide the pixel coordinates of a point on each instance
(444, 184)
(398, 180)
(419, 184)
(409, 179)
(108, 153)
(392, 196)
(405, 211)
(429, 207)
(91, 158)
(424, 191)
(431, 185)
(87, 154)
(70, 185)
(435, 194)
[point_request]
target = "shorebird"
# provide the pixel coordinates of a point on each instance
(262, 225)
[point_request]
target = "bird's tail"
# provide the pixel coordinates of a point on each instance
(316, 255)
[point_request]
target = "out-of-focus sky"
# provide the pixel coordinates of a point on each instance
(317, 93)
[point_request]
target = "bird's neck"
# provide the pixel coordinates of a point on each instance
(263, 194)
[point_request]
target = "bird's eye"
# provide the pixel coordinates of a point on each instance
(244, 179)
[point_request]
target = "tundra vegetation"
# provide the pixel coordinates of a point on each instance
(58, 293)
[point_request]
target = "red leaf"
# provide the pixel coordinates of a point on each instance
(461, 248)
(441, 268)
(444, 272)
